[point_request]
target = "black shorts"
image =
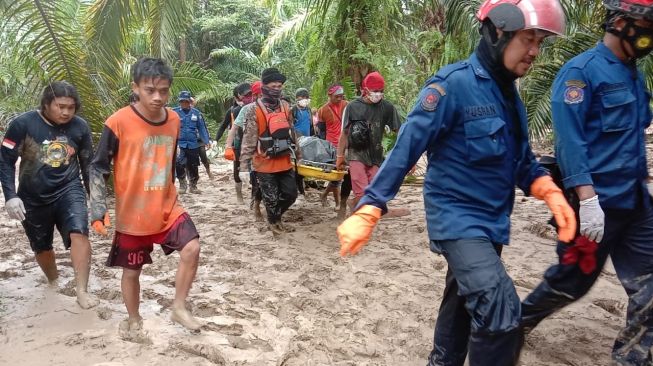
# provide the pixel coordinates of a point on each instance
(68, 213)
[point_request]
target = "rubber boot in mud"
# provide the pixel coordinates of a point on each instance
(239, 192)
(183, 186)
(500, 349)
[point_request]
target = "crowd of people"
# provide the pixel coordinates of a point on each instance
(470, 122)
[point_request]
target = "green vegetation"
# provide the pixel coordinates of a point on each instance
(215, 44)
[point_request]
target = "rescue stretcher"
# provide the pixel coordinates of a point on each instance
(320, 171)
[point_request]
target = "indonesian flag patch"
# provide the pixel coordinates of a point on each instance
(8, 143)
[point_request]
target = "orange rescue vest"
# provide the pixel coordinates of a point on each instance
(271, 125)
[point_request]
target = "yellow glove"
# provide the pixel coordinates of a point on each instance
(357, 229)
(543, 188)
(100, 226)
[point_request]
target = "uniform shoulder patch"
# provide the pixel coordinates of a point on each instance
(430, 100)
(432, 96)
(574, 94)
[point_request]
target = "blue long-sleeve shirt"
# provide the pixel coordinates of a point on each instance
(193, 128)
(474, 160)
(600, 111)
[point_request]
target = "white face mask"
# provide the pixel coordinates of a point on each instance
(375, 97)
(304, 103)
(240, 103)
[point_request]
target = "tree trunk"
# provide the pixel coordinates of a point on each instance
(182, 49)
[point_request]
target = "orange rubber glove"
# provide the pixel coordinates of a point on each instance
(543, 188)
(100, 226)
(340, 163)
(229, 154)
(357, 229)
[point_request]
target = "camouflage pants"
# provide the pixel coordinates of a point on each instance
(279, 192)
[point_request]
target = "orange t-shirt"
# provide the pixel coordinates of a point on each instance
(146, 197)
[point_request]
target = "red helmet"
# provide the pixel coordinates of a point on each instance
(514, 15)
(637, 9)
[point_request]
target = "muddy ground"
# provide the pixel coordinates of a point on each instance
(291, 301)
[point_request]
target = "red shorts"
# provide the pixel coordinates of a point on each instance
(131, 251)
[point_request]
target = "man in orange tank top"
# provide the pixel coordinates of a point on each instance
(141, 141)
(267, 143)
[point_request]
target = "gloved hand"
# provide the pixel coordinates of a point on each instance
(229, 153)
(357, 229)
(543, 188)
(15, 208)
(100, 226)
(243, 176)
(583, 253)
(592, 219)
(340, 163)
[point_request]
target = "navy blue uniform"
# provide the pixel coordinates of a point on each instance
(193, 132)
(478, 151)
(54, 159)
(600, 111)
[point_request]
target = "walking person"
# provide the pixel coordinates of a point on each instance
(470, 121)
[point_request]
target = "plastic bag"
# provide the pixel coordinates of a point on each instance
(317, 150)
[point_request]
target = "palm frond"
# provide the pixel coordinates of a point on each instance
(167, 19)
(109, 25)
(52, 37)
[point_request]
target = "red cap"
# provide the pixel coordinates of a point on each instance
(374, 81)
(256, 88)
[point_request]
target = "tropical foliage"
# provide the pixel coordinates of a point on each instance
(90, 44)
(216, 44)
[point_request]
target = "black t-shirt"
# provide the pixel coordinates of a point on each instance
(51, 158)
(378, 116)
(229, 118)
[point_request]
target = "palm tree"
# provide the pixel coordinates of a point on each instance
(89, 43)
(583, 32)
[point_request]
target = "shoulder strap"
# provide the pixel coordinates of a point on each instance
(261, 118)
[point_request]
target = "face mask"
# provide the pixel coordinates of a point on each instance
(247, 99)
(375, 97)
(304, 103)
(240, 103)
(271, 93)
(641, 42)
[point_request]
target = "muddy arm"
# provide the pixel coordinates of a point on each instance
(99, 172)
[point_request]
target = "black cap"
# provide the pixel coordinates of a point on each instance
(271, 75)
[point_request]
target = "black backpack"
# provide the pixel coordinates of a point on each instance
(360, 135)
